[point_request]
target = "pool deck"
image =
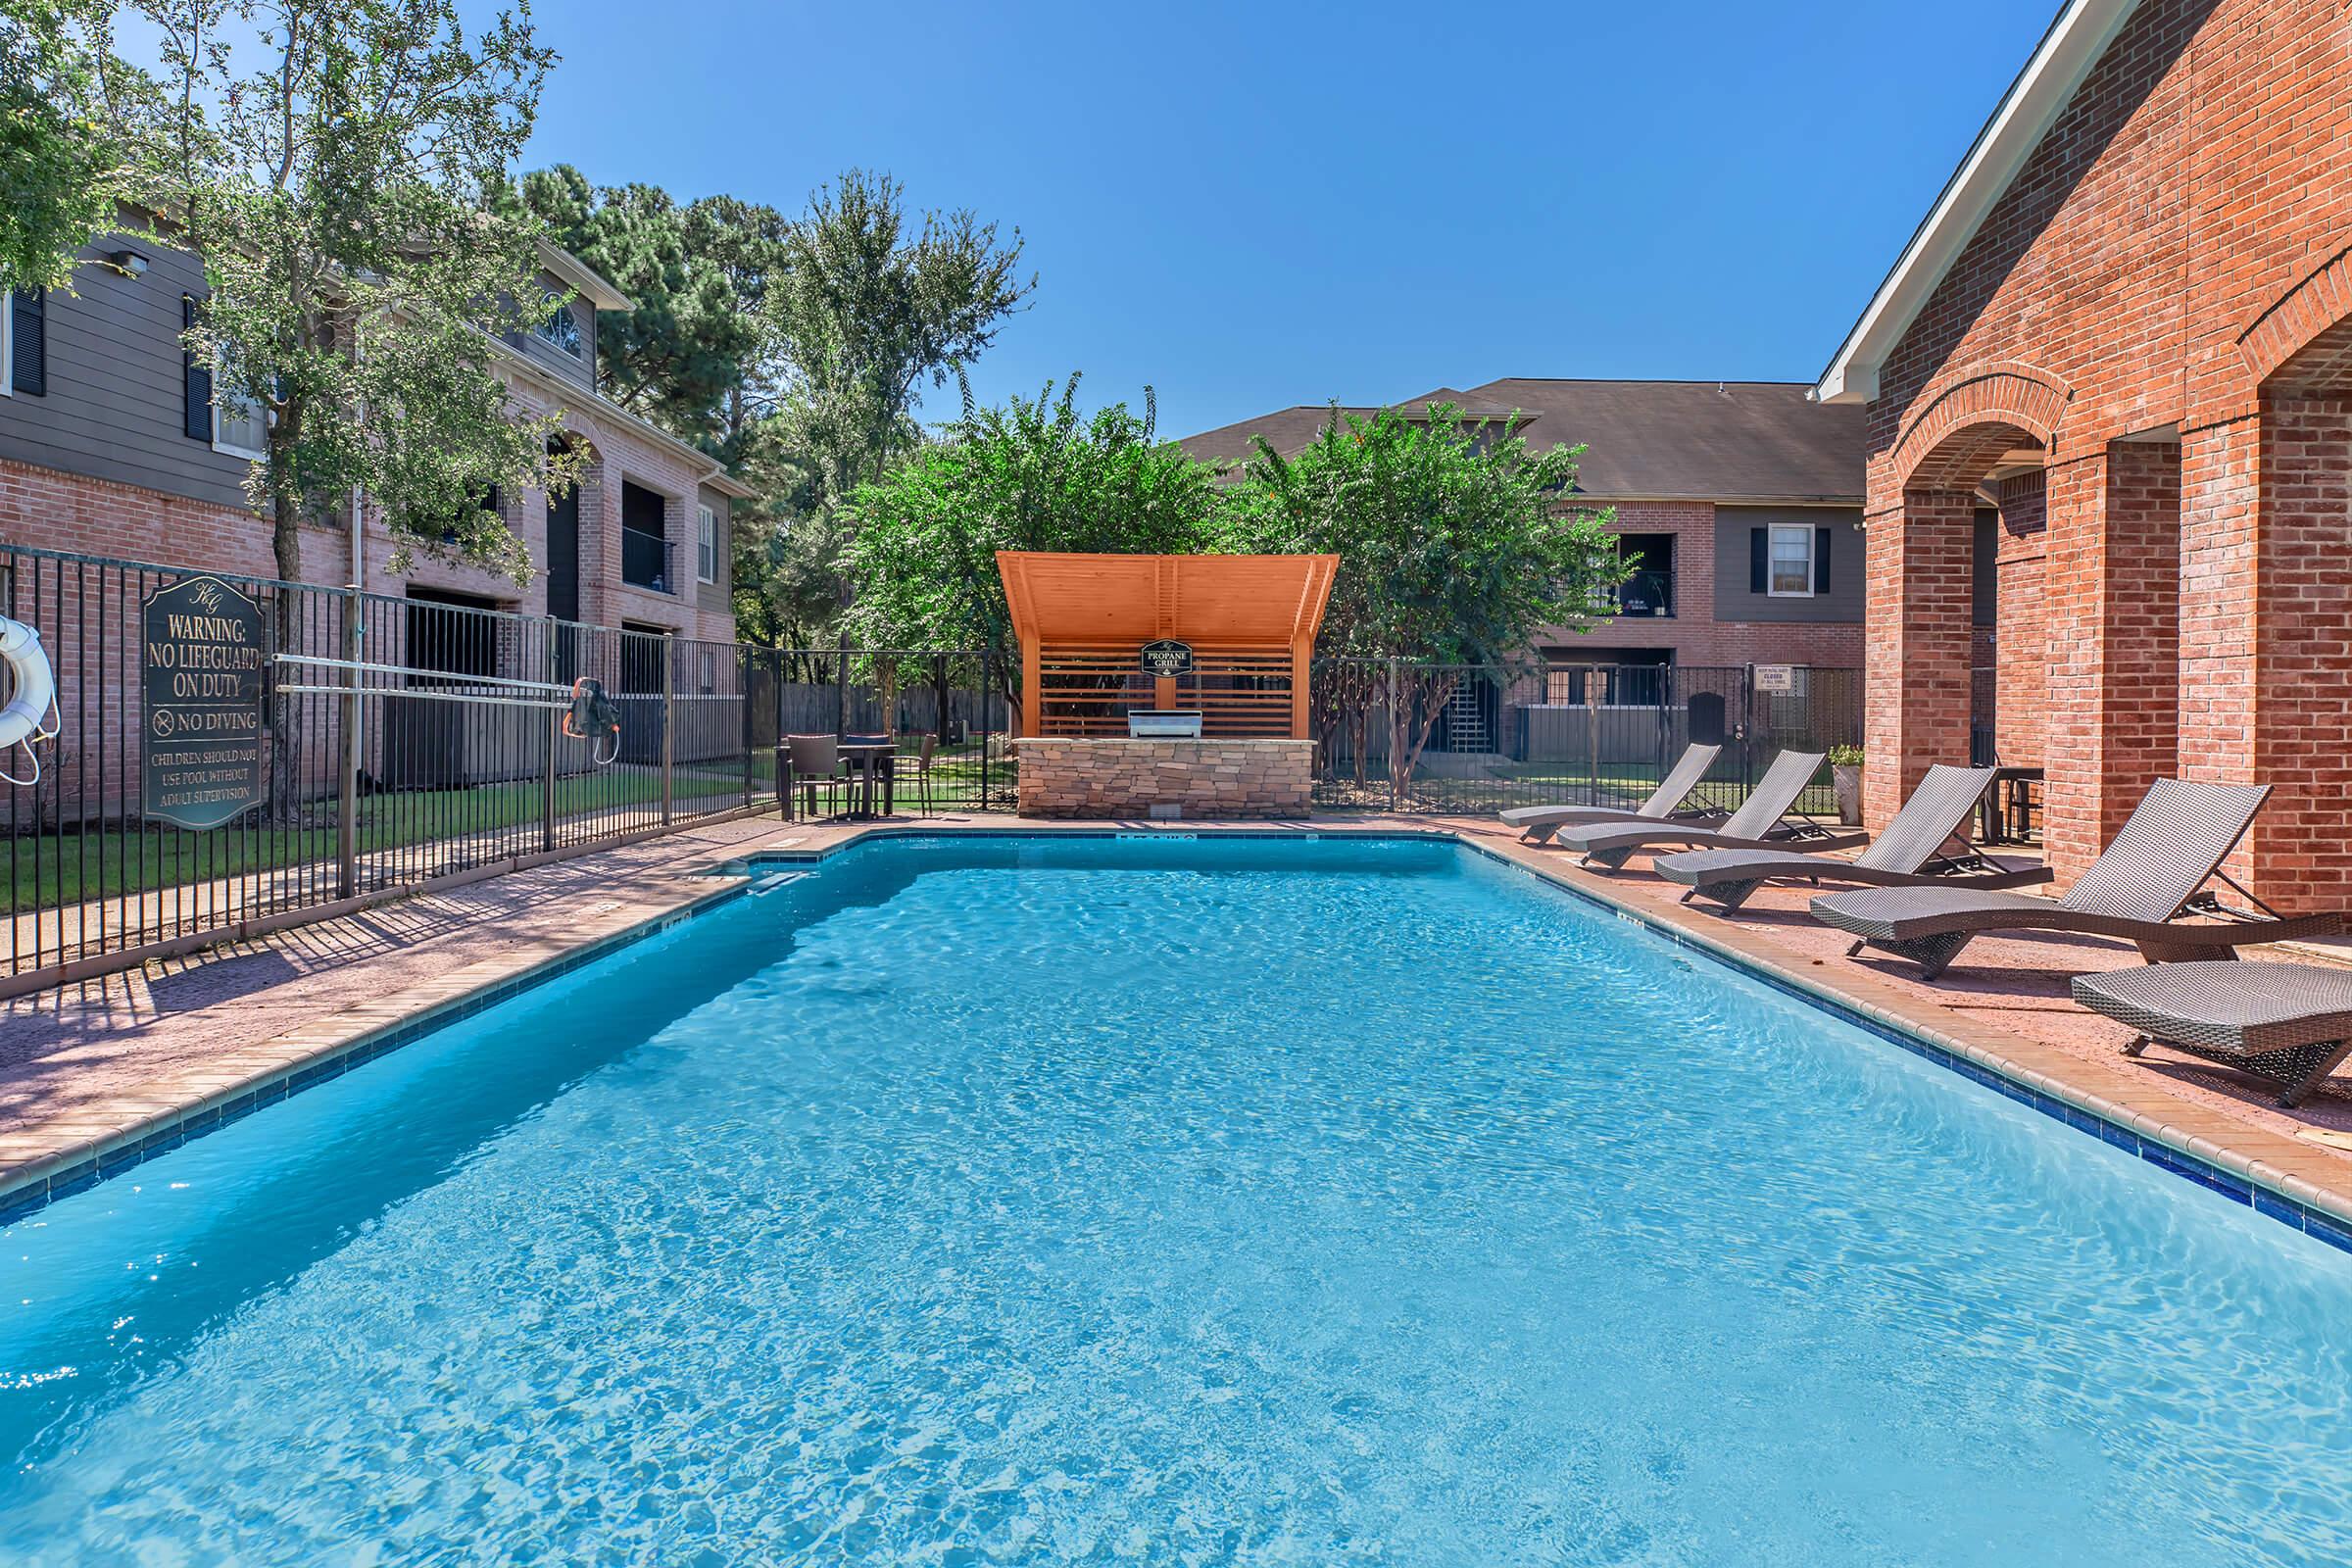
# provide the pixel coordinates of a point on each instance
(97, 1076)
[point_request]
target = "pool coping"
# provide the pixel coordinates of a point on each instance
(2271, 1174)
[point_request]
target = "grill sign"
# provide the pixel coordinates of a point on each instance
(1167, 658)
(203, 693)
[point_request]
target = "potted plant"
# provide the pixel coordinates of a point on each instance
(1846, 775)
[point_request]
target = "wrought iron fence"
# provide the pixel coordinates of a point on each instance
(1468, 738)
(387, 742)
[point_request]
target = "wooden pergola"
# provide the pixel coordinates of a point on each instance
(1082, 620)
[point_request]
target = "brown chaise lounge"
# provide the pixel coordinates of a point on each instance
(2289, 1023)
(2170, 848)
(1536, 823)
(1762, 822)
(1925, 834)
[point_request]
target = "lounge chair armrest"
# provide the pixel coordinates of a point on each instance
(2024, 878)
(1834, 841)
(2246, 933)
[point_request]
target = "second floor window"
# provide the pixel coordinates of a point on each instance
(563, 329)
(240, 425)
(705, 545)
(1792, 564)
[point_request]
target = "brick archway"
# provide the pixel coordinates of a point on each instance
(1969, 420)
(2300, 344)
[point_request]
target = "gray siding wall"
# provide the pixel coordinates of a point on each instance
(1733, 600)
(114, 410)
(580, 371)
(717, 594)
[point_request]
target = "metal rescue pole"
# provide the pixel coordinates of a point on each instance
(669, 725)
(554, 736)
(347, 805)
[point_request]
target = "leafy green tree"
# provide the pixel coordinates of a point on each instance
(1031, 476)
(326, 161)
(869, 305)
(696, 354)
(62, 165)
(1455, 547)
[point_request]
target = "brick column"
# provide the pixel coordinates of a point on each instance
(2020, 646)
(2219, 599)
(2300, 603)
(2114, 597)
(1917, 633)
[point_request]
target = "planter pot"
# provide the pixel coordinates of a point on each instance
(1847, 780)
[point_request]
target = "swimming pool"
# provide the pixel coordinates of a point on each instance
(1081, 1199)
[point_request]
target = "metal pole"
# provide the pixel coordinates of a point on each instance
(1394, 737)
(669, 726)
(841, 687)
(554, 736)
(984, 717)
(347, 806)
(742, 686)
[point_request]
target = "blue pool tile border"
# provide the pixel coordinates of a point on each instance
(41, 1191)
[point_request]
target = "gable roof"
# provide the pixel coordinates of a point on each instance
(2074, 43)
(1761, 441)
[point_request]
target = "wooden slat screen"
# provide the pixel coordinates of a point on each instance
(1088, 690)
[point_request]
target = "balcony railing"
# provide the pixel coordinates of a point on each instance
(1644, 593)
(648, 561)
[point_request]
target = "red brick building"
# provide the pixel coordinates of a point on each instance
(2128, 322)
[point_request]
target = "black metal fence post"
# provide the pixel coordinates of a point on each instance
(551, 668)
(346, 786)
(669, 728)
(841, 687)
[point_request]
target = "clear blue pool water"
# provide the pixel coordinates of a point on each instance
(1008, 1201)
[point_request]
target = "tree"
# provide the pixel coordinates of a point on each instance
(696, 354)
(863, 312)
(356, 278)
(1031, 476)
(1454, 548)
(61, 165)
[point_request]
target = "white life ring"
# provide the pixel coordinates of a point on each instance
(27, 718)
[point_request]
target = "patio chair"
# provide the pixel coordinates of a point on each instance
(925, 754)
(814, 763)
(2289, 1023)
(1922, 846)
(1762, 822)
(2159, 864)
(1537, 823)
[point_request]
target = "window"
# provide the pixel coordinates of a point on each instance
(24, 342)
(705, 545)
(710, 672)
(1792, 564)
(563, 329)
(240, 425)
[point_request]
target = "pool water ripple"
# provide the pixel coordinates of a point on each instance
(1084, 1202)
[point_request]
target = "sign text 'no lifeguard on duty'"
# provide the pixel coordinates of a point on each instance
(202, 762)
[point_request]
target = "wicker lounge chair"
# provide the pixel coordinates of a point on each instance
(1762, 822)
(1925, 846)
(2289, 1023)
(1536, 823)
(2158, 864)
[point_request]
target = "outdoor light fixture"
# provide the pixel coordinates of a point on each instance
(130, 264)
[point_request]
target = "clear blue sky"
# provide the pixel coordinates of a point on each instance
(1257, 205)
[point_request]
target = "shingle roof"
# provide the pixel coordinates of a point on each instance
(1656, 440)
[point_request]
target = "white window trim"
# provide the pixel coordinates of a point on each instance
(705, 537)
(229, 448)
(1772, 589)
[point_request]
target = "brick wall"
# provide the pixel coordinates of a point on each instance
(2172, 260)
(1112, 779)
(1692, 632)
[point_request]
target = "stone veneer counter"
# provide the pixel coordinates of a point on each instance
(1110, 777)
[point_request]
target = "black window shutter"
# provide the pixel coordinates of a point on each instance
(1759, 549)
(31, 325)
(1821, 561)
(196, 380)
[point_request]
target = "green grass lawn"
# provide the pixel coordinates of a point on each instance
(50, 870)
